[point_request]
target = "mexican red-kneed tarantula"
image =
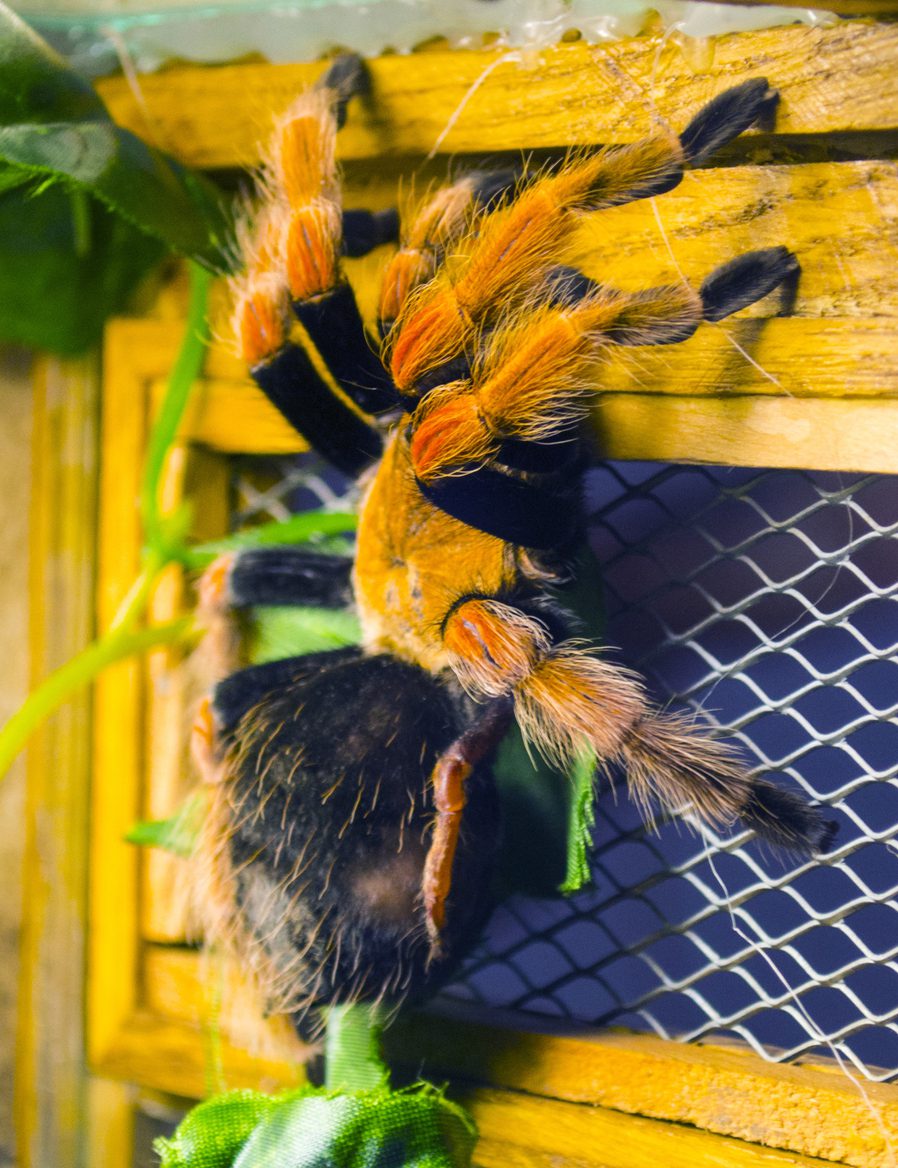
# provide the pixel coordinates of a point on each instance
(353, 818)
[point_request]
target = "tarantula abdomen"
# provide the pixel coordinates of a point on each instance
(321, 815)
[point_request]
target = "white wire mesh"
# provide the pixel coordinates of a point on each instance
(767, 600)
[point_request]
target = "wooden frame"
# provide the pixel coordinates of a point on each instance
(614, 1100)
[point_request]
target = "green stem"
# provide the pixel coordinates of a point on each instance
(69, 678)
(186, 370)
(352, 1055)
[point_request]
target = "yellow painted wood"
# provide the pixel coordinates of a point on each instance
(173, 1057)
(50, 1041)
(840, 219)
(782, 392)
(208, 990)
(173, 688)
(832, 79)
(520, 1131)
(811, 1110)
(119, 704)
(110, 1125)
(812, 433)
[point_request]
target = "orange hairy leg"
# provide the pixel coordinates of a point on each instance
(451, 773)
(511, 248)
(539, 365)
(568, 700)
(509, 252)
(537, 369)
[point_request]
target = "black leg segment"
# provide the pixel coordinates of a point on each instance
(289, 576)
(724, 118)
(292, 384)
(746, 279)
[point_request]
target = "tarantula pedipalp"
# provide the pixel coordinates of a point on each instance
(353, 819)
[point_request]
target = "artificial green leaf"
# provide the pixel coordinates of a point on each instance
(52, 294)
(153, 191)
(414, 1129)
(212, 1134)
(309, 526)
(314, 1128)
(279, 631)
(177, 835)
(353, 1057)
(36, 85)
(55, 127)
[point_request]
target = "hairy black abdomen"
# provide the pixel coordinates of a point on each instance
(329, 817)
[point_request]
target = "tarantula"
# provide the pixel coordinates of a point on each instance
(353, 819)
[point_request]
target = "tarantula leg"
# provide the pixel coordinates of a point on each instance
(516, 246)
(453, 768)
(567, 699)
(204, 745)
(363, 231)
(277, 576)
(726, 116)
(536, 373)
(305, 171)
(430, 231)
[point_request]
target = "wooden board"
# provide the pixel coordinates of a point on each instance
(835, 79)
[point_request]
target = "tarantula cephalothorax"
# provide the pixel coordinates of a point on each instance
(353, 821)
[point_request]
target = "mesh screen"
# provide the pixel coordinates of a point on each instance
(765, 599)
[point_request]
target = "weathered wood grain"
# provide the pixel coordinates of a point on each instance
(834, 79)
(520, 1131)
(813, 1111)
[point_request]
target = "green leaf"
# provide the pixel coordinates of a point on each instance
(303, 528)
(288, 631)
(151, 190)
(408, 1129)
(52, 296)
(177, 835)
(212, 1134)
(353, 1056)
(36, 85)
(53, 125)
(581, 821)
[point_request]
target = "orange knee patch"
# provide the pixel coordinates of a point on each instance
(494, 645)
(452, 433)
(260, 319)
(312, 244)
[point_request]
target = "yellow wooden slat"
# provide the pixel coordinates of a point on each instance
(173, 1057)
(520, 1131)
(50, 1040)
(844, 77)
(809, 433)
(119, 697)
(208, 991)
(840, 219)
(811, 1110)
(172, 690)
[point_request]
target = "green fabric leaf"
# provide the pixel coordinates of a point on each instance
(177, 834)
(352, 1054)
(286, 631)
(363, 1130)
(307, 527)
(36, 85)
(581, 821)
(314, 1128)
(54, 294)
(212, 1134)
(54, 127)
